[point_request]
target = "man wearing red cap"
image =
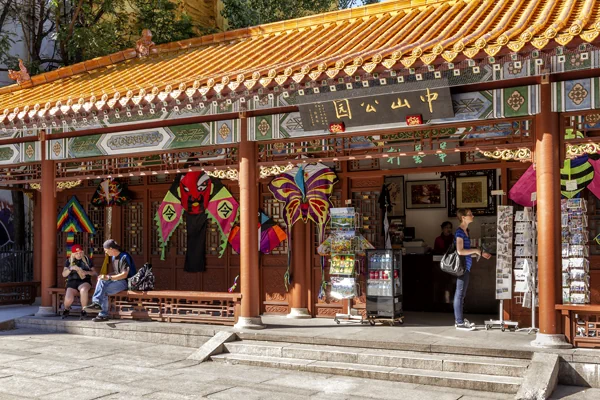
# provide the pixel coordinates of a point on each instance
(78, 271)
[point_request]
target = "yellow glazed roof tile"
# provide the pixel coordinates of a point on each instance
(388, 33)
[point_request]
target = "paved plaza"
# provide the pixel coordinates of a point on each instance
(36, 365)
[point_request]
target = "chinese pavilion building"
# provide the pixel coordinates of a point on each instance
(401, 88)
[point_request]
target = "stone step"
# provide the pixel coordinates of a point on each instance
(150, 332)
(385, 358)
(459, 380)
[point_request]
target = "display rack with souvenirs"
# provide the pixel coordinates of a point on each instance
(525, 267)
(346, 248)
(575, 252)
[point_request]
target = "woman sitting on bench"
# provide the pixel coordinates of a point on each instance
(78, 271)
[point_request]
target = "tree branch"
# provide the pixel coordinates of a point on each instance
(73, 20)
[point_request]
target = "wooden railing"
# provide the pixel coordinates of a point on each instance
(18, 293)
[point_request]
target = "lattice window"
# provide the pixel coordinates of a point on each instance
(133, 235)
(181, 236)
(274, 209)
(366, 203)
(583, 125)
(96, 215)
(135, 181)
(213, 238)
(162, 178)
(364, 165)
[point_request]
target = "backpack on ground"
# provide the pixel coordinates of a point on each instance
(143, 280)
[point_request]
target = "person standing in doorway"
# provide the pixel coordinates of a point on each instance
(78, 271)
(463, 248)
(444, 241)
(122, 268)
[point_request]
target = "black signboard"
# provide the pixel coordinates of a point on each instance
(380, 109)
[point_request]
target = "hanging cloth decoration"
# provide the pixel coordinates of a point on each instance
(385, 204)
(201, 197)
(305, 190)
(73, 219)
(269, 233)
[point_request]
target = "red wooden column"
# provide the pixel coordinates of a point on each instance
(37, 239)
(48, 231)
(249, 272)
(547, 171)
(300, 271)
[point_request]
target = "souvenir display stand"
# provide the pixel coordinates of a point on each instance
(504, 247)
(525, 271)
(384, 286)
(344, 260)
(575, 252)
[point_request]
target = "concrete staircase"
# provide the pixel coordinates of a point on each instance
(489, 374)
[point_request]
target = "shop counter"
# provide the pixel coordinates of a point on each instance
(427, 288)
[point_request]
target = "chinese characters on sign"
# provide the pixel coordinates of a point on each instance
(379, 109)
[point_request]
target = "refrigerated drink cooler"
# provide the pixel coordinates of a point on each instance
(384, 287)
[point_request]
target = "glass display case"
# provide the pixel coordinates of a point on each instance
(384, 285)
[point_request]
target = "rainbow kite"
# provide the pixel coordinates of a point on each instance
(73, 219)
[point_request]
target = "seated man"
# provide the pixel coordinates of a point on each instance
(121, 268)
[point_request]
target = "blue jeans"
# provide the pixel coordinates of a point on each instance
(104, 289)
(462, 283)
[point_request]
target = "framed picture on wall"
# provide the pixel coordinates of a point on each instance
(473, 190)
(395, 186)
(426, 194)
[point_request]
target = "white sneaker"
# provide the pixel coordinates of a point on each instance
(466, 322)
(465, 326)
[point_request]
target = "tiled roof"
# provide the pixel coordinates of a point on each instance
(395, 34)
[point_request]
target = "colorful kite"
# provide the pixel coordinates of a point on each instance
(584, 170)
(168, 216)
(202, 198)
(110, 193)
(270, 234)
(306, 190)
(73, 219)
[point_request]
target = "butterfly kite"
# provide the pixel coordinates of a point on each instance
(73, 219)
(305, 190)
(202, 198)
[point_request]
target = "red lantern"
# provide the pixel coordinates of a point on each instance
(337, 127)
(416, 119)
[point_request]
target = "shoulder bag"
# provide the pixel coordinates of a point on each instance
(452, 263)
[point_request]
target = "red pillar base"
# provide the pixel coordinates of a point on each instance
(550, 341)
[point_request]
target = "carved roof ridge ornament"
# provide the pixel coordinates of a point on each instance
(22, 75)
(144, 46)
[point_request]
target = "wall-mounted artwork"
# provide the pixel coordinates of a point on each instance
(472, 190)
(395, 186)
(426, 194)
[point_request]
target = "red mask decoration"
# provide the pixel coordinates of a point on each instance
(195, 188)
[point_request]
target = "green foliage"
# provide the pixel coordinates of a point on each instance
(244, 13)
(355, 3)
(163, 20)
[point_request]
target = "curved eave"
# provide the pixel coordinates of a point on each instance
(390, 35)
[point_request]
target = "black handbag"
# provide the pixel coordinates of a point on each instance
(452, 263)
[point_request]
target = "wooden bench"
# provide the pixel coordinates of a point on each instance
(581, 324)
(18, 292)
(168, 306)
(58, 300)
